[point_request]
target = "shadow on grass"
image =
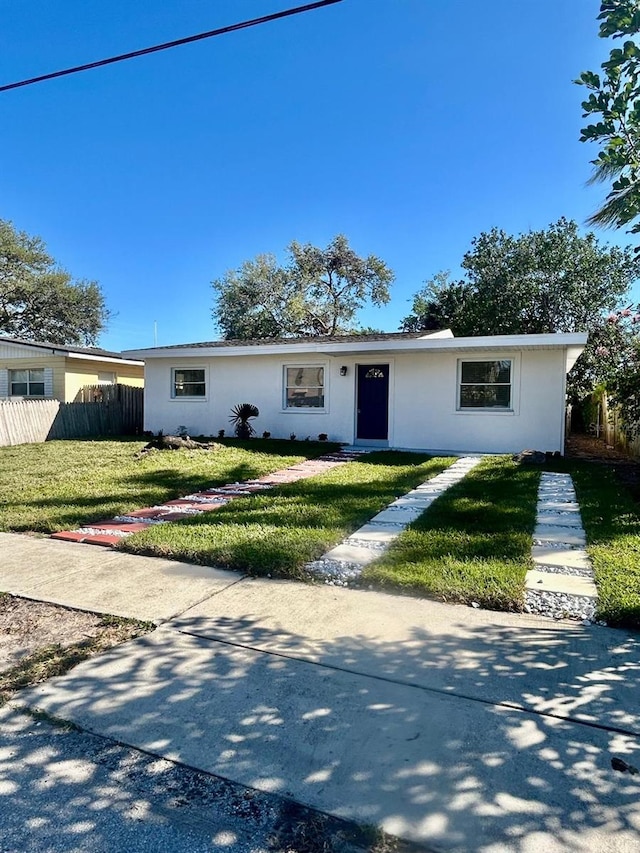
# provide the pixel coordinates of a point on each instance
(278, 532)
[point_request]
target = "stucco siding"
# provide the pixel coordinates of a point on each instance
(423, 400)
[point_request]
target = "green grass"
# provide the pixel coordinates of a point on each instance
(62, 484)
(276, 533)
(473, 544)
(611, 520)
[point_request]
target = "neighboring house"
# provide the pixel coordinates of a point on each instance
(423, 391)
(50, 371)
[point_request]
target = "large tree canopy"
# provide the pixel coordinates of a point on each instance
(318, 292)
(613, 106)
(40, 301)
(553, 280)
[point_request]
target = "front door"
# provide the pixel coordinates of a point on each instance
(373, 402)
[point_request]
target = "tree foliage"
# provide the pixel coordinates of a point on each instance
(317, 292)
(39, 300)
(553, 280)
(618, 353)
(613, 108)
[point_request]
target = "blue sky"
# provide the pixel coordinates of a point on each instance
(408, 125)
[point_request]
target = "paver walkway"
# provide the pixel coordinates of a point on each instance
(347, 560)
(561, 585)
(112, 530)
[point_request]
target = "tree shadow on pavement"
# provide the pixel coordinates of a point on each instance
(483, 737)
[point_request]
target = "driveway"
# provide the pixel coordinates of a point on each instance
(458, 728)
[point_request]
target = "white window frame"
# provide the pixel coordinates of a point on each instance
(305, 410)
(182, 397)
(488, 410)
(28, 371)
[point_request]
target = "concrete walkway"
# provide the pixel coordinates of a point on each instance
(458, 728)
(562, 582)
(345, 562)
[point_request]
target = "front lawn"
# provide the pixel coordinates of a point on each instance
(611, 520)
(278, 532)
(63, 484)
(474, 542)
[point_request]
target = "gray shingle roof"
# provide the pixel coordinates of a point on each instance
(379, 336)
(95, 351)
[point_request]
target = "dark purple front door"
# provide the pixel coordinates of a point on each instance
(373, 402)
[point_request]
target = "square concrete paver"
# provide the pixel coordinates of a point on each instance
(560, 535)
(573, 557)
(555, 582)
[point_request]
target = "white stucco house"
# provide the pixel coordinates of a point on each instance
(428, 391)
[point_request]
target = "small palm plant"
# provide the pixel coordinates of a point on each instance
(240, 416)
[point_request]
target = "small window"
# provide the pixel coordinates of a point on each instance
(304, 387)
(189, 383)
(374, 373)
(485, 384)
(27, 383)
(106, 378)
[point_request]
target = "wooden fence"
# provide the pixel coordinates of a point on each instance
(100, 410)
(604, 422)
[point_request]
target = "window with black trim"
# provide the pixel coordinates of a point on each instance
(485, 384)
(26, 383)
(304, 387)
(189, 382)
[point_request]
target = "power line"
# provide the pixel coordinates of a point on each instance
(243, 25)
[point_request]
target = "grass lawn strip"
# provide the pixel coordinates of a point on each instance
(474, 542)
(277, 533)
(39, 640)
(64, 484)
(611, 520)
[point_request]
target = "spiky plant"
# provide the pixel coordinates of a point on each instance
(240, 416)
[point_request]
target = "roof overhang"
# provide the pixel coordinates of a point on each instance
(103, 358)
(573, 343)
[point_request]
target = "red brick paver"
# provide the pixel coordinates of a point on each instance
(110, 532)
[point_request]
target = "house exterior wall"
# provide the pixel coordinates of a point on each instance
(69, 374)
(35, 361)
(80, 373)
(423, 399)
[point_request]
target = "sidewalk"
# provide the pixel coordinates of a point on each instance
(458, 728)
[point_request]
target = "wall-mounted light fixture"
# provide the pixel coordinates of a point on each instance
(343, 370)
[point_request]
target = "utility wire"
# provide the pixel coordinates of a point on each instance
(243, 25)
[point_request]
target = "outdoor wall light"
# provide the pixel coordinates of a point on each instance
(343, 370)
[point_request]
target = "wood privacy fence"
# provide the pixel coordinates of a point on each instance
(604, 422)
(100, 410)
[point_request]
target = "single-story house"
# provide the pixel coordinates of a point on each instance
(429, 391)
(31, 369)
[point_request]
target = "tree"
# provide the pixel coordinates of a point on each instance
(318, 292)
(614, 106)
(553, 280)
(39, 300)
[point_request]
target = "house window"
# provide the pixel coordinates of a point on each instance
(304, 387)
(27, 383)
(485, 384)
(189, 382)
